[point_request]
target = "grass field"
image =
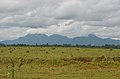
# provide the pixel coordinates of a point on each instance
(59, 63)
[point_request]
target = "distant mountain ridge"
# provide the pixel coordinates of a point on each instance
(33, 39)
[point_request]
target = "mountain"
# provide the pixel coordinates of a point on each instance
(33, 39)
(1, 44)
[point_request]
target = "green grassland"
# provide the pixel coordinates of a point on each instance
(59, 63)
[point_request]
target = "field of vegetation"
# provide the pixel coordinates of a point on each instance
(59, 63)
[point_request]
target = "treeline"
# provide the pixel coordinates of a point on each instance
(64, 45)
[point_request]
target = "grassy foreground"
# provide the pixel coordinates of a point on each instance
(59, 63)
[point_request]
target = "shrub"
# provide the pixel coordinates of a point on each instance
(27, 51)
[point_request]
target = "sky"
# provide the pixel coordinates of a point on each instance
(70, 18)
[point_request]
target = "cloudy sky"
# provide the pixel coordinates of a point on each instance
(66, 17)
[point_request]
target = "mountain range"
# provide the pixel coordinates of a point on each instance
(33, 39)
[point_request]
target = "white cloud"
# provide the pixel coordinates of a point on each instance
(66, 17)
(12, 33)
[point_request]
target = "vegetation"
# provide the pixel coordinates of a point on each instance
(64, 45)
(37, 62)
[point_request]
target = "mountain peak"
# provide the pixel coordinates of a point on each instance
(92, 35)
(36, 35)
(55, 35)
